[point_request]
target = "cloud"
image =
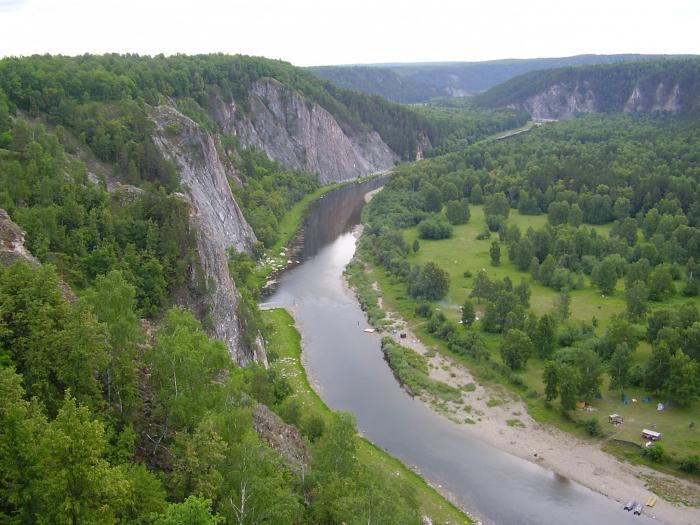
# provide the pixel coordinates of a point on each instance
(11, 5)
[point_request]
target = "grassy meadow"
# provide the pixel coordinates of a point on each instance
(464, 252)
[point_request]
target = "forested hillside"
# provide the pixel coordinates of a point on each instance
(595, 300)
(409, 83)
(671, 85)
(117, 407)
(102, 97)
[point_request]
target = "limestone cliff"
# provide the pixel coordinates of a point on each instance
(302, 135)
(561, 100)
(662, 85)
(216, 218)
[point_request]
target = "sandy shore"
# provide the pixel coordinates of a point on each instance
(500, 418)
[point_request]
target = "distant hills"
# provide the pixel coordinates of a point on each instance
(664, 85)
(419, 82)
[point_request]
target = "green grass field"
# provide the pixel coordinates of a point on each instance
(464, 252)
(285, 341)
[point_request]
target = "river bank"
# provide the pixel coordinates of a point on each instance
(500, 418)
(287, 343)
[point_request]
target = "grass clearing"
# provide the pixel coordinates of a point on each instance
(464, 252)
(285, 341)
(411, 371)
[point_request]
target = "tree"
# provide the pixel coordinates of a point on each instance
(336, 449)
(495, 252)
(523, 292)
(54, 344)
(429, 282)
(482, 287)
(497, 204)
(569, 381)
(468, 313)
(457, 212)
(682, 384)
(636, 300)
(416, 245)
(113, 300)
(523, 253)
(660, 283)
(605, 275)
(432, 198)
(434, 227)
(77, 484)
(562, 304)
(550, 376)
(544, 339)
(590, 372)
(193, 511)
(621, 208)
(516, 349)
(198, 461)
(558, 213)
(575, 215)
(657, 368)
(619, 367)
(185, 363)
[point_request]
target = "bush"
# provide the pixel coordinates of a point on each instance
(690, 464)
(290, 411)
(655, 453)
(424, 309)
(458, 212)
(313, 427)
(495, 222)
(434, 227)
(592, 426)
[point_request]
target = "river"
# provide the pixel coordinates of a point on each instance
(348, 369)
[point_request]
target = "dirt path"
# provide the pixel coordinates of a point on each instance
(500, 418)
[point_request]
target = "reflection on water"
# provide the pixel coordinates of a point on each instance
(348, 365)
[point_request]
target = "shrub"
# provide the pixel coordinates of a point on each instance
(592, 426)
(424, 309)
(434, 227)
(655, 453)
(313, 427)
(290, 411)
(690, 464)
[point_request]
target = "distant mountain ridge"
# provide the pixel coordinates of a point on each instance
(419, 82)
(669, 85)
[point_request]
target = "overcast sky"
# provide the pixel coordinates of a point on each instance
(315, 32)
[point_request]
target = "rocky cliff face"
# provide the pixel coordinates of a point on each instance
(564, 100)
(12, 249)
(302, 135)
(215, 216)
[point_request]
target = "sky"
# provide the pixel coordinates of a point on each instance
(319, 32)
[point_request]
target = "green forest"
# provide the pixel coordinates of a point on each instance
(611, 84)
(563, 262)
(117, 407)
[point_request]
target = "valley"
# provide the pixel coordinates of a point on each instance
(473, 285)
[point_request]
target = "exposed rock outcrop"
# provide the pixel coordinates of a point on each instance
(302, 135)
(281, 437)
(217, 219)
(564, 100)
(12, 249)
(561, 101)
(12, 242)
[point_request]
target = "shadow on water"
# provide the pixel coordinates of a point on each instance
(348, 366)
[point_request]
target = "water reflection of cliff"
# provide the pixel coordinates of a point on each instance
(336, 212)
